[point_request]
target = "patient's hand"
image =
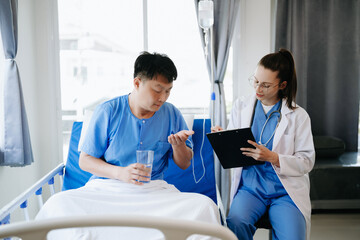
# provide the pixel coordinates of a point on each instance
(134, 173)
(181, 153)
(180, 137)
(216, 129)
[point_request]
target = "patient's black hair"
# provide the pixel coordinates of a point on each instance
(149, 65)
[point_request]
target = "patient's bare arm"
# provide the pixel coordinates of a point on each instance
(133, 173)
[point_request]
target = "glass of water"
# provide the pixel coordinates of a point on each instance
(145, 157)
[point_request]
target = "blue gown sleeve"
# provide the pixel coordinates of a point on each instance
(96, 138)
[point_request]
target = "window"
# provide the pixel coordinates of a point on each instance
(99, 42)
(175, 32)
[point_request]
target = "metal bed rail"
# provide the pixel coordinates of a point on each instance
(22, 200)
(174, 229)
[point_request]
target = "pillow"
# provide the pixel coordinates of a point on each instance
(74, 176)
(328, 147)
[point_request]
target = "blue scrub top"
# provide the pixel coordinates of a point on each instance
(114, 134)
(262, 179)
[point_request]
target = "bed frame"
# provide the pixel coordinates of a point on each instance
(172, 229)
(179, 229)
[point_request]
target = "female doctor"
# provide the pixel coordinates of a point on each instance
(284, 143)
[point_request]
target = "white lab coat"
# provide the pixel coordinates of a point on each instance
(293, 142)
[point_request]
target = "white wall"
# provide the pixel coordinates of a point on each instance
(252, 40)
(38, 63)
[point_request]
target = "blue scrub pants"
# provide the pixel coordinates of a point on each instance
(286, 219)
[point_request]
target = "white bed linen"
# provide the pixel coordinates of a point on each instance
(107, 196)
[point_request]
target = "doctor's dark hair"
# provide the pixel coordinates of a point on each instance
(283, 62)
(149, 65)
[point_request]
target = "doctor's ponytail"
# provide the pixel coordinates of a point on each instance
(283, 62)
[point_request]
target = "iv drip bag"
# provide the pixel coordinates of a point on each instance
(206, 14)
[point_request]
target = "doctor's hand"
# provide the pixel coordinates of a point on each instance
(134, 173)
(216, 129)
(180, 137)
(261, 153)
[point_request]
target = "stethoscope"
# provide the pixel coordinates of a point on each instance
(262, 130)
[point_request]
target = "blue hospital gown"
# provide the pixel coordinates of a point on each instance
(114, 134)
(262, 179)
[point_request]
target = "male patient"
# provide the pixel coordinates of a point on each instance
(141, 120)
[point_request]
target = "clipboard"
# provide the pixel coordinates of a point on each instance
(227, 144)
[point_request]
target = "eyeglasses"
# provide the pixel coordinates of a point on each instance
(264, 86)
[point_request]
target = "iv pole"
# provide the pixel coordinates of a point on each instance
(206, 21)
(212, 78)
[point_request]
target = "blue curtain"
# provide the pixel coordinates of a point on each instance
(222, 31)
(17, 146)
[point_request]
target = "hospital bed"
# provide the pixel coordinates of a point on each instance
(198, 178)
(173, 229)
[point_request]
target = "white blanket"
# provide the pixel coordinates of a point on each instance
(106, 196)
